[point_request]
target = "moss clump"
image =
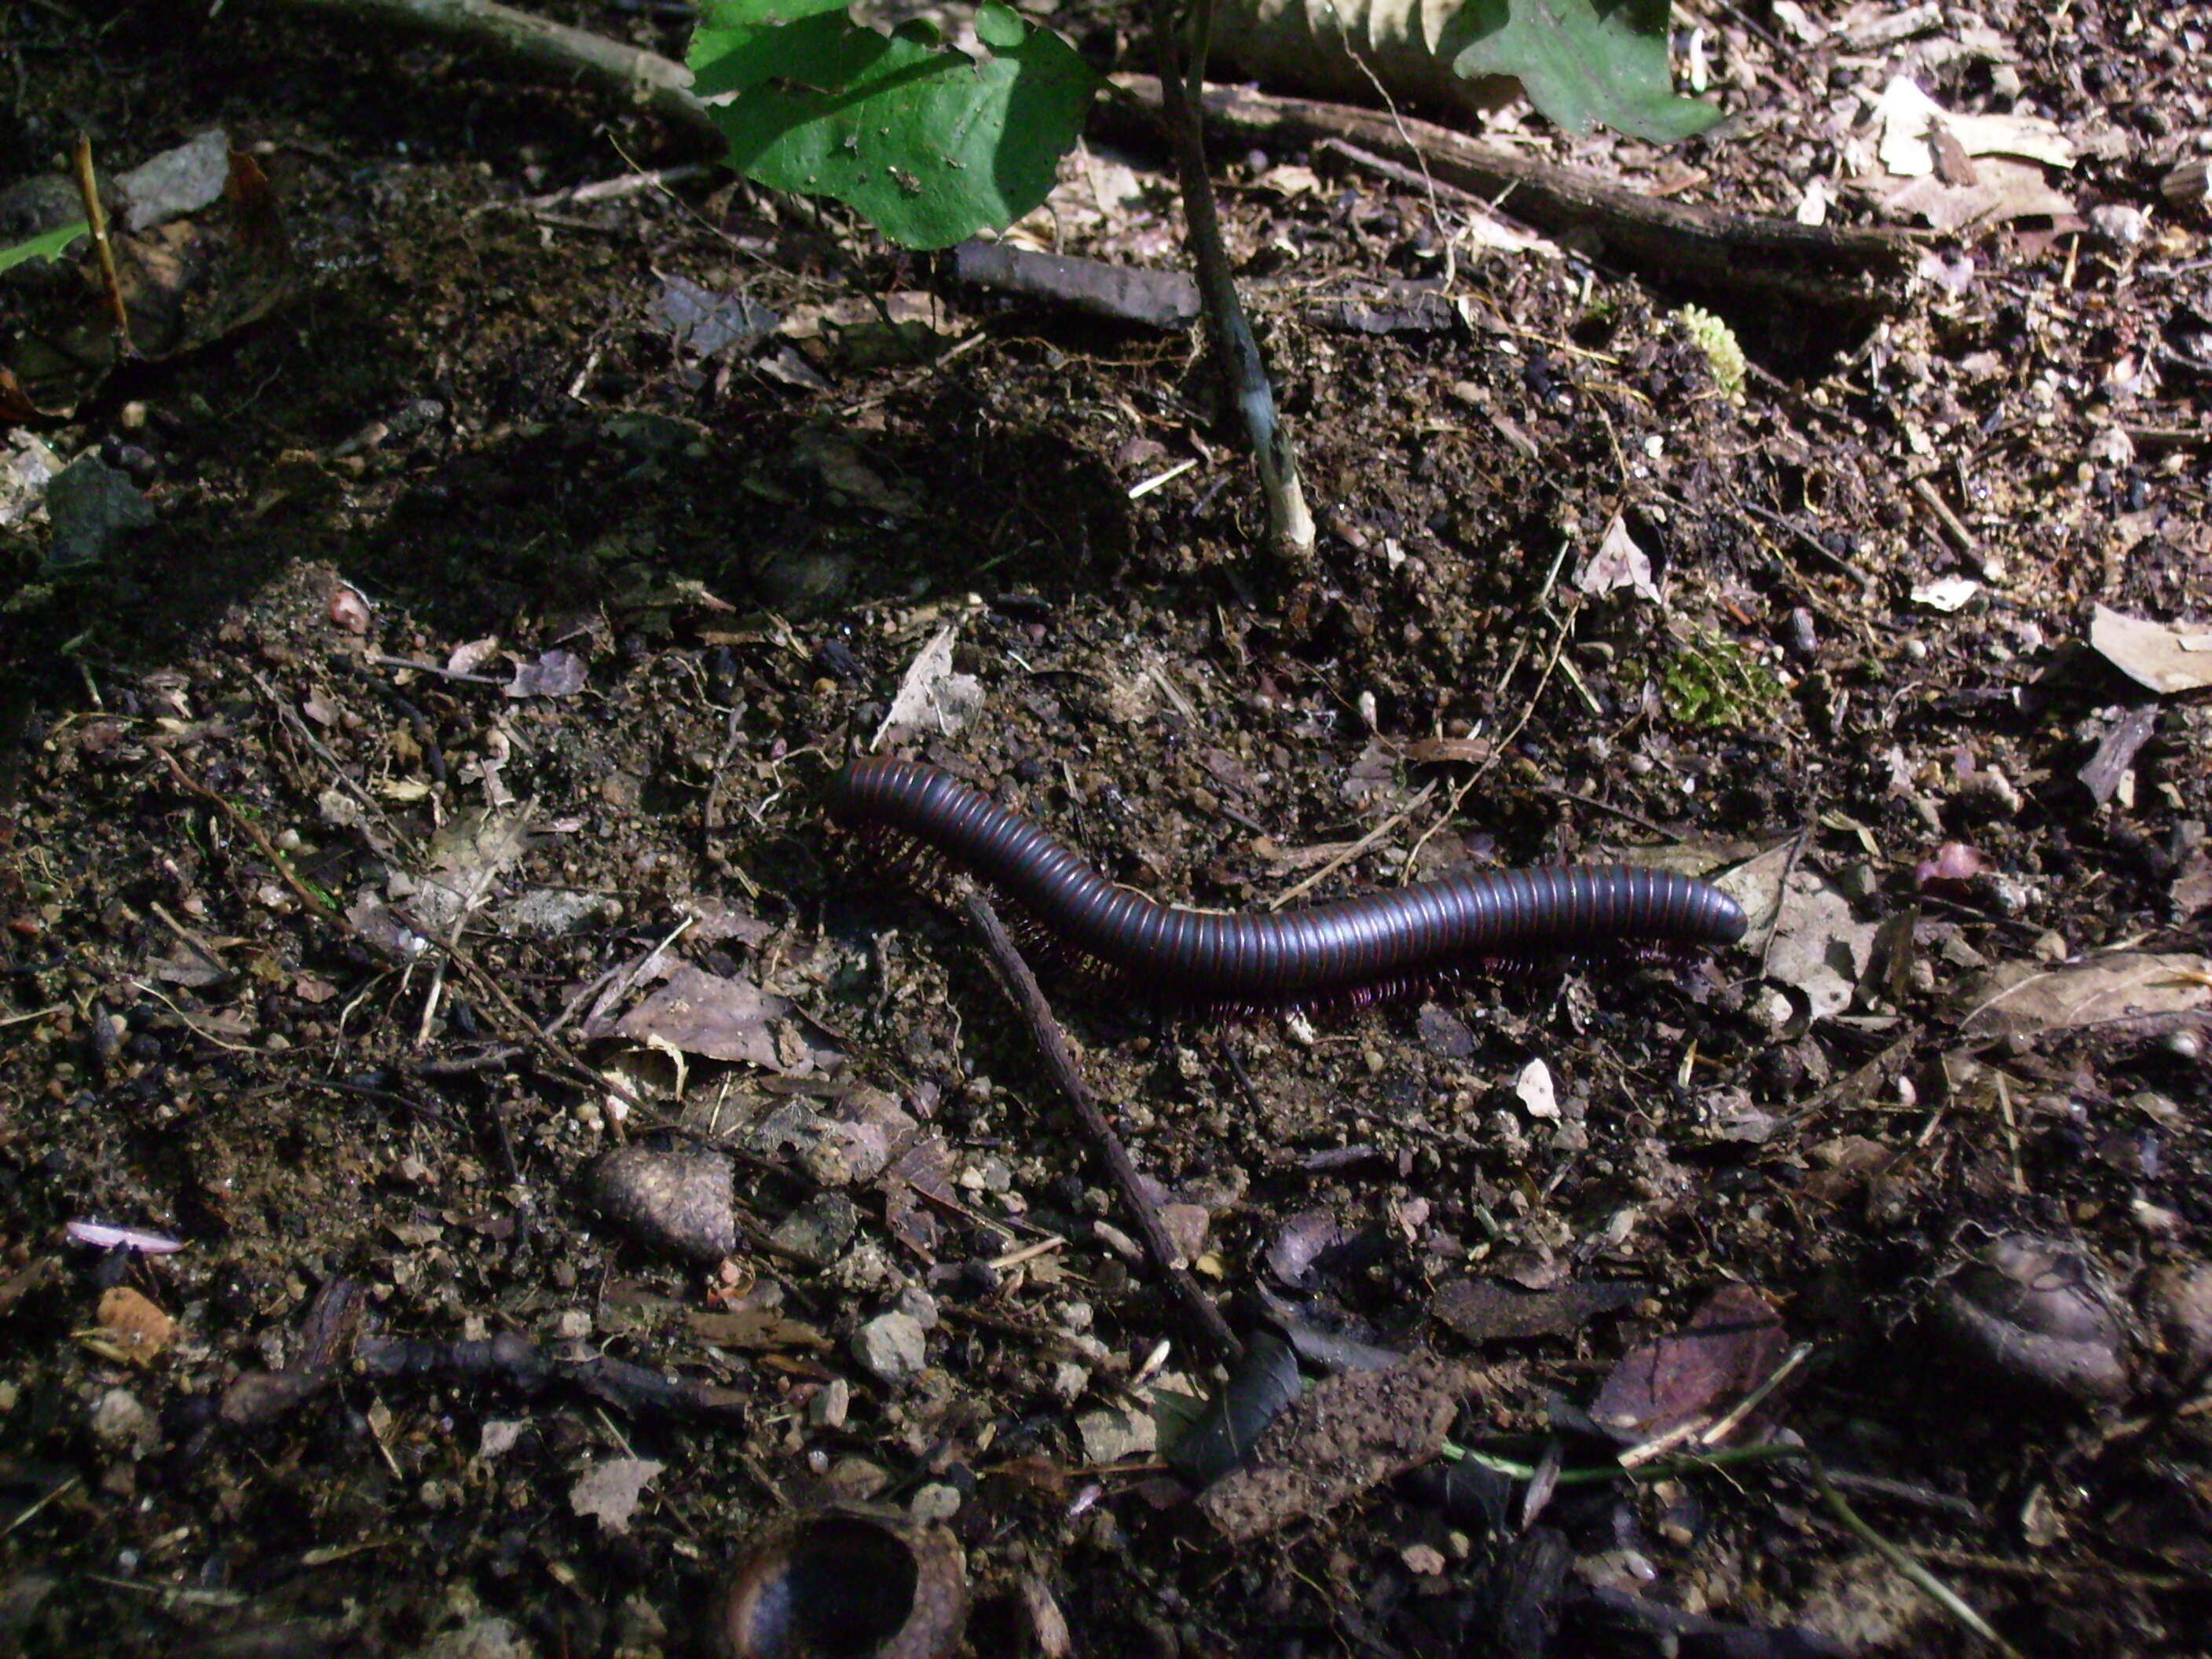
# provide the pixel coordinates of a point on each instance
(1717, 341)
(1710, 682)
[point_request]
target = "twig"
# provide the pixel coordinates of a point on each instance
(660, 84)
(536, 1035)
(384, 660)
(1289, 526)
(1855, 270)
(1904, 1564)
(1209, 1326)
(1961, 537)
(1389, 825)
(95, 218)
(253, 832)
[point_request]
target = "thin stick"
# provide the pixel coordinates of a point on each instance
(1290, 525)
(1210, 1329)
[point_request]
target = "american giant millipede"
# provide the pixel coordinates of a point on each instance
(1346, 947)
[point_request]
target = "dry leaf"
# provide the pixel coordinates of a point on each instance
(2162, 657)
(1730, 1347)
(932, 698)
(758, 1328)
(703, 1013)
(1618, 563)
(2022, 998)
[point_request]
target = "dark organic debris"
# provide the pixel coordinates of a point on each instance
(1223, 1436)
(327, 1335)
(521, 1363)
(1484, 1310)
(1158, 298)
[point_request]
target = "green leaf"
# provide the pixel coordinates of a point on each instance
(928, 145)
(1580, 62)
(51, 245)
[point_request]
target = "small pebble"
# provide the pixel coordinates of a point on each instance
(892, 1348)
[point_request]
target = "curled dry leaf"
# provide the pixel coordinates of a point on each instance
(851, 1579)
(130, 1329)
(2036, 1315)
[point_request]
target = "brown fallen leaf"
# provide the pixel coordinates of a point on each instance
(1730, 1346)
(756, 1329)
(2023, 998)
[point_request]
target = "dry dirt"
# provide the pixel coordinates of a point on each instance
(316, 940)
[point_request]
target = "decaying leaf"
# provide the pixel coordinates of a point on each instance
(1819, 945)
(1730, 1346)
(702, 1014)
(2023, 998)
(184, 282)
(130, 1329)
(762, 1329)
(1618, 563)
(932, 698)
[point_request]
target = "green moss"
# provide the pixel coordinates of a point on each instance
(1710, 682)
(1717, 341)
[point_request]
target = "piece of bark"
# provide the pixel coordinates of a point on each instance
(1127, 294)
(1344, 1435)
(2117, 753)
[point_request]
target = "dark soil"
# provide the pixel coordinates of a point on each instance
(221, 807)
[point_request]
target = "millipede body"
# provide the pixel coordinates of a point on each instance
(1347, 946)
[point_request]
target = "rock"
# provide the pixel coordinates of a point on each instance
(1110, 1435)
(936, 1501)
(1186, 1226)
(679, 1201)
(818, 1230)
(892, 1347)
(124, 1427)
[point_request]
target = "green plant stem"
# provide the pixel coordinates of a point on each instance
(1289, 526)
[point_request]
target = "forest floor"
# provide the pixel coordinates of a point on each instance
(415, 878)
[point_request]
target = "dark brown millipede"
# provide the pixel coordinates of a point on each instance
(1347, 947)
